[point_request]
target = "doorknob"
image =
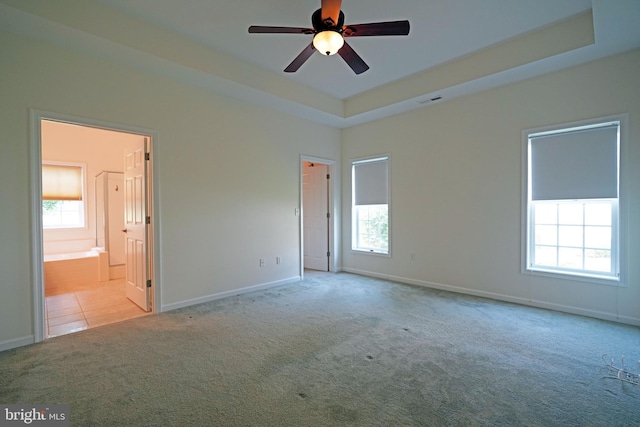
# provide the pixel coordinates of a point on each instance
(124, 230)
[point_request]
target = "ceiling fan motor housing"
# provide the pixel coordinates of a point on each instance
(320, 25)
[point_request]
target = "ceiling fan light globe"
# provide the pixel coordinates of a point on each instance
(328, 42)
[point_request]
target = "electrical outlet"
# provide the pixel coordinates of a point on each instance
(261, 262)
(278, 260)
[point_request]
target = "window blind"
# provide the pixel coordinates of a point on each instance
(371, 182)
(578, 164)
(61, 182)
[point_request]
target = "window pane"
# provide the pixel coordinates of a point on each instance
(597, 214)
(570, 258)
(570, 213)
(62, 214)
(546, 256)
(570, 235)
(372, 228)
(546, 235)
(572, 244)
(51, 218)
(363, 224)
(597, 260)
(597, 237)
(546, 213)
(69, 218)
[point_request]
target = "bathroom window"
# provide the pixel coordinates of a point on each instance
(63, 195)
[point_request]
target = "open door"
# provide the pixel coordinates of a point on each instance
(136, 222)
(316, 216)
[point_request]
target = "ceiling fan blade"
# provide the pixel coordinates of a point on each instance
(300, 59)
(353, 59)
(392, 28)
(279, 30)
(331, 9)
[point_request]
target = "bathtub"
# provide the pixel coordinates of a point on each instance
(74, 271)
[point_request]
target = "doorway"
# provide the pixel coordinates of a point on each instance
(317, 180)
(87, 266)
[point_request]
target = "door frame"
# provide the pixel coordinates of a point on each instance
(35, 205)
(334, 209)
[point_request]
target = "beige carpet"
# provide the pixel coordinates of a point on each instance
(335, 350)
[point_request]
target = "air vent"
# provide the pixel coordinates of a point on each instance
(426, 101)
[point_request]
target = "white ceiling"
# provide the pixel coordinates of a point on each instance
(442, 32)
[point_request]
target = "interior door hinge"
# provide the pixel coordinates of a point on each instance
(147, 156)
(148, 220)
(328, 176)
(328, 254)
(328, 214)
(148, 283)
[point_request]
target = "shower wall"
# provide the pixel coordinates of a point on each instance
(110, 217)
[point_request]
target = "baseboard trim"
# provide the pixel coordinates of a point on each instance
(17, 342)
(227, 294)
(501, 297)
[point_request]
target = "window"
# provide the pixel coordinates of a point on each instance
(572, 202)
(370, 205)
(62, 196)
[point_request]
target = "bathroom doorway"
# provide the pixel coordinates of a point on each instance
(86, 269)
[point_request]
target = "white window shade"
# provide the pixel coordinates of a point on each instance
(61, 182)
(579, 164)
(371, 182)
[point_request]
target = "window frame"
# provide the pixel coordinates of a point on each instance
(85, 207)
(618, 226)
(354, 216)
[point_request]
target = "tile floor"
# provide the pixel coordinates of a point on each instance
(88, 308)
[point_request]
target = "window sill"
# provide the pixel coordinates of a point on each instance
(589, 278)
(368, 252)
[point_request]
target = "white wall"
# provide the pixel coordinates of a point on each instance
(227, 173)
(100, 150)
(228, 180)
(456, 187)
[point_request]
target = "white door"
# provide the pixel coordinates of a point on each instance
(135, 222)
(315, 210)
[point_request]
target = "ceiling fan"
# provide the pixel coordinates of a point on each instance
(329, 32)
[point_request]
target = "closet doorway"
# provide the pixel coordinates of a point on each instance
(317, 213)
